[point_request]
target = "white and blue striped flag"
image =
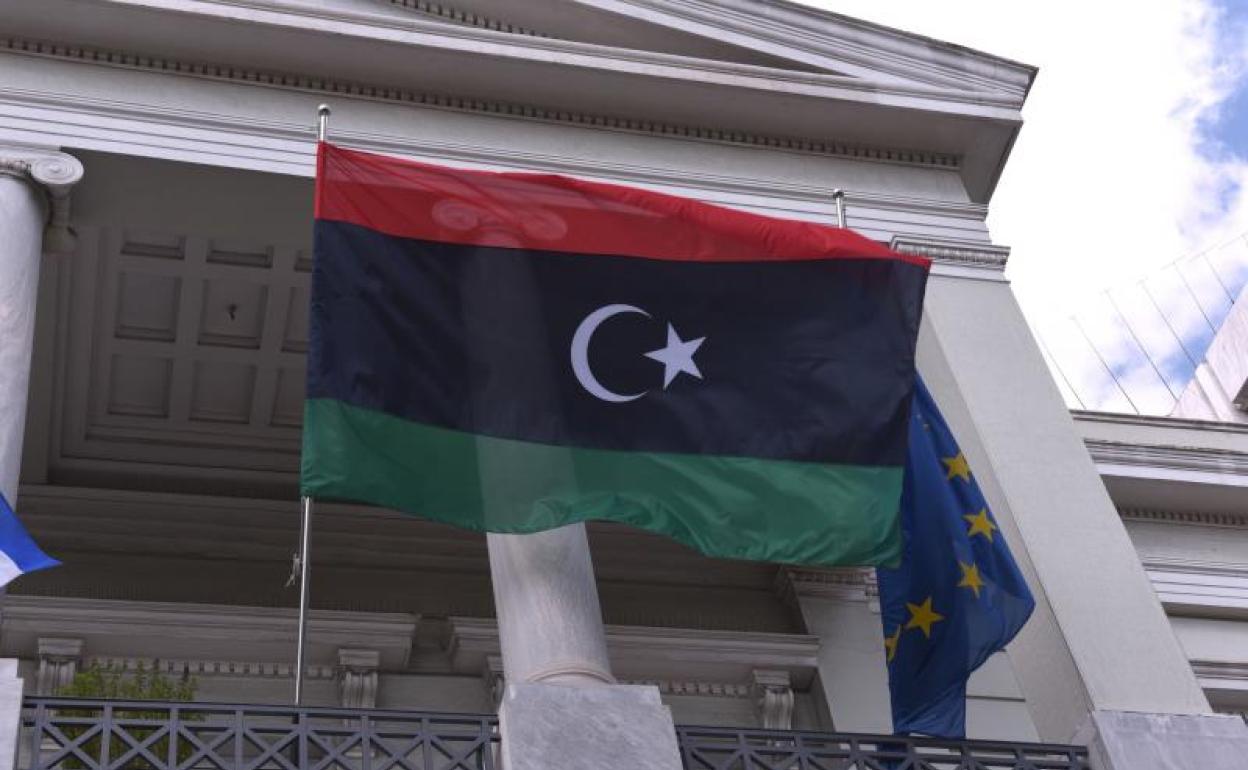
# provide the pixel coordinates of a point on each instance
(18, 552)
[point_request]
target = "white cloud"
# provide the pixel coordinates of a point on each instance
(1108, 182)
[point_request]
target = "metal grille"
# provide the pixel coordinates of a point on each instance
(713, 748)
(86, 734)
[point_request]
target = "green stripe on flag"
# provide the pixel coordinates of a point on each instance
(731, 507)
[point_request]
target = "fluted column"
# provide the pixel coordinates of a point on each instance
(560, 708)
(549, 619)
(34, 216)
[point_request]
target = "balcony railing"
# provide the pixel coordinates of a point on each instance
(718, 748)
(85, 734)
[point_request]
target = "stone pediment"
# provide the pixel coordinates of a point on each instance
(771, 73)
(772, 33)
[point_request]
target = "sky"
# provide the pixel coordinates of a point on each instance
(1125, 200)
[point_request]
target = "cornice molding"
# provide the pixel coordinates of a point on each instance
(529, 112)
(1201, 518)
(954, 252)
(298, 159)
(861, 45)
(480, 39)
(454, 15)
(1156, 421)
(843, 583)
(661, 654)
(1194, 588)
(252, 631)
(244, 669)
(1226, 462)
(1221, 672)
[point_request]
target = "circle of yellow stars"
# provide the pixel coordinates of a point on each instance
(923, 616)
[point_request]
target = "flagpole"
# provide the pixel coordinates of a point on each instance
(838, 197)
(305, 521)
(305, 563)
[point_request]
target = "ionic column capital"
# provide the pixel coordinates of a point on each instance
(54, 173)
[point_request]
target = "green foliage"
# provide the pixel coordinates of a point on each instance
(111, 683)
(96, 681)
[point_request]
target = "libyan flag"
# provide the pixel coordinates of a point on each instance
(514, 352)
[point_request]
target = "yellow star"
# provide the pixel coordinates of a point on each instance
(970, 577)
(922, 616)
(890, 644)
(957, 467)
(980, 524)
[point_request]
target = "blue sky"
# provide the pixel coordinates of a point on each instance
(1223, 131)
(1127, 191)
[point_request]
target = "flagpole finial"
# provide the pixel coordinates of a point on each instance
(838, 197)
(322, 121)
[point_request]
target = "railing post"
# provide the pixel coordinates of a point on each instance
(106, 733)
(175, 715)
(10, 713)
(302, 738)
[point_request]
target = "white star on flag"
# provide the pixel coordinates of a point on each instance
(677, 356)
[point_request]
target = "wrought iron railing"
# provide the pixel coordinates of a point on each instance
(88, 734)
(717, 748)
(85, 734)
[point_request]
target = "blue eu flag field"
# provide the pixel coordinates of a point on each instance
(957, 596)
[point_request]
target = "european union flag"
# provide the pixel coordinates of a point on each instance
(958, 595)
(18, 552)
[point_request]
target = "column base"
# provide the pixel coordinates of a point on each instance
(614, 727)
(1131, 740)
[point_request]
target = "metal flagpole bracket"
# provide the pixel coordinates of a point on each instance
(305, 564)
(838, 197)
(322, 121)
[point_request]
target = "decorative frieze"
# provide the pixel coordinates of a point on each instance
(696, 689)
(358, 678)
(773, 693)
(58, 663)
(1201, 518)
(292, 81)
(211, 668)
(444, 12)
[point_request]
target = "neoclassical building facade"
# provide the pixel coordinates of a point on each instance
(156, 164)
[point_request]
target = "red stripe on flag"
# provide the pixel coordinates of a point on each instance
(548, 212)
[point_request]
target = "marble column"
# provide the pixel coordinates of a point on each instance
(34, 200)
(1098, 662)
(549, 619)
(560, 708)
(34, 215)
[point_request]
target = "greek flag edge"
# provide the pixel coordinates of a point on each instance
(18, 552)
